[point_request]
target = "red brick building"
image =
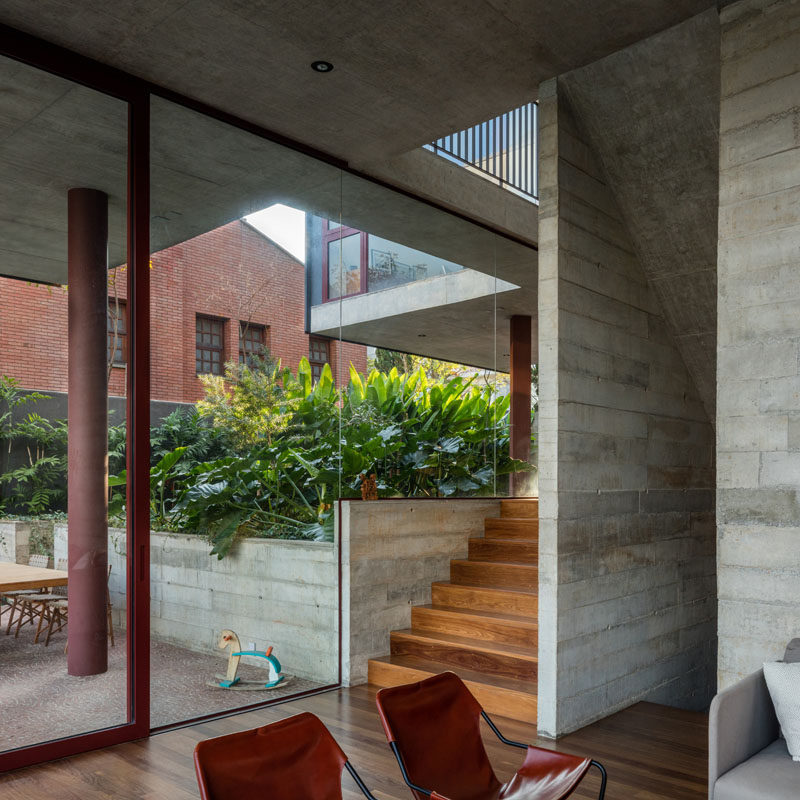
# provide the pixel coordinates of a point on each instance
(214, 299)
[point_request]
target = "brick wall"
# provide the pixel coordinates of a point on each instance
(626, 517)
(758, 394)
(233, 272)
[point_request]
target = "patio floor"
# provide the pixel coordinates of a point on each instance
(39, 701)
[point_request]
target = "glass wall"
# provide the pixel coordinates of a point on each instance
(63, 365)
(314, 337)
(244, 437)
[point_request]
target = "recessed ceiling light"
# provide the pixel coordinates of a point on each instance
(321, 66)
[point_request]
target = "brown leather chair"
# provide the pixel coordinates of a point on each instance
(294, 758)
(433, 728)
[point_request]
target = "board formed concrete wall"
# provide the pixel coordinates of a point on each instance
(269, 591)
(758, 392)
(392, 550)
(627, 606)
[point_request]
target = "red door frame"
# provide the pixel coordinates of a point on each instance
(49, 58)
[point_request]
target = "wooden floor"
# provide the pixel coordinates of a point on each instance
(651, 752)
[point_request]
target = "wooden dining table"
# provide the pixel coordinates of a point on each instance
(21, 576)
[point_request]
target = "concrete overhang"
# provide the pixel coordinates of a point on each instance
(204, 174)
(462, 317)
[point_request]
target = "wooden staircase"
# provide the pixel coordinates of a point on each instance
(482, 623)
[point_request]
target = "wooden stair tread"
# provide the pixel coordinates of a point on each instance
(461, 642)
(481, 588)
(511, 528)
(522, 507)
(428, 667)
(484, 548)
(489, 615)
(494, 625)
(522, 602)
(494, 563)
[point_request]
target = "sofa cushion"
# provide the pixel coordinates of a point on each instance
(770, 773)
(783, 682)
(792, 654)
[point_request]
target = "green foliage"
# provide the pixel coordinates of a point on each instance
(304, 444)
(256, 407)
(37, 485)
(268, 452)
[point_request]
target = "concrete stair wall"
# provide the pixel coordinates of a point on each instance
(482, 624)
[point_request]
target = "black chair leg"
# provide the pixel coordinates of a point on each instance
(603, 778)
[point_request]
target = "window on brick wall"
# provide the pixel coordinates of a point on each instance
(117, 327)
(252, 342)
(319, 354)
(209, 345)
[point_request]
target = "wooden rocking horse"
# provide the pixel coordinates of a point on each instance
(229, 640)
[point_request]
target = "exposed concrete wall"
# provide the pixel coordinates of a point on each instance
(391, 552)
(269, 591)
(627, 593)
(651, 114)
(758, 392)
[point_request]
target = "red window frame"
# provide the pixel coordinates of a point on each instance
(331, 235)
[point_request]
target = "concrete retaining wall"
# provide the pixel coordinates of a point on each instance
(391, 552)
(627, 595)
(758, 447)
(269, 591)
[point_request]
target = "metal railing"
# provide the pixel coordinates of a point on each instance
(504, 149)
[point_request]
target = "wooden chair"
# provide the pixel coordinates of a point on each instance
(433, 728)
(55, 612)
(33, 606)
(14, 598)
(294, 758)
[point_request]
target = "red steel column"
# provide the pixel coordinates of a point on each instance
(520, 369)
(87, 488)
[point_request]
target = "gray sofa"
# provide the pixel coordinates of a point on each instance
(746, 757)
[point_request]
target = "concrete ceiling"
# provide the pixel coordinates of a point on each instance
(55, 135)
(406, 71)
(651, 113)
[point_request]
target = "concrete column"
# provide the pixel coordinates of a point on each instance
(88, 431)
(520, 435)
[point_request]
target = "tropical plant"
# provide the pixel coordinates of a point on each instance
(256, 407)
(418, 437)
(37, 484)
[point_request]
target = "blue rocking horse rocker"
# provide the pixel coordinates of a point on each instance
(228, 639)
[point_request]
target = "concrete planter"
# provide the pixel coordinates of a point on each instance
(286, 593)
(269, 591)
